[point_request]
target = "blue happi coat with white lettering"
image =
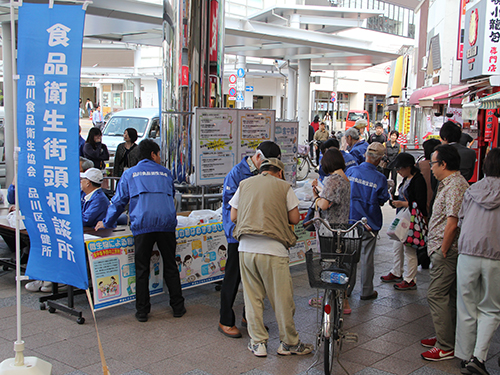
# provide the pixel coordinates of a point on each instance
(150, 189)
(368, 192)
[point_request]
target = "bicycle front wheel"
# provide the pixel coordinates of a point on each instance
(302, 168)
(332, 338)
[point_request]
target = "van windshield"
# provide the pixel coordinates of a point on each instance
(355, 116)
(117, 125)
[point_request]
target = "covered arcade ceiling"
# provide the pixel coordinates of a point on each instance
(330, 37)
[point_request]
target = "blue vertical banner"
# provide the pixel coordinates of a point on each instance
(48, 64)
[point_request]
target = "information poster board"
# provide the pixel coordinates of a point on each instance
(215, 151)
(113, 271)
(201, 254)
(254, 127)
(286, 136)
(305, 241)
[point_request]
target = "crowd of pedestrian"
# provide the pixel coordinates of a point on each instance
(259, 209)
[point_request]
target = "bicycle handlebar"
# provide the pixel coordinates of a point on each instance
(363, 221)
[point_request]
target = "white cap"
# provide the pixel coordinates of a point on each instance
(93, 174)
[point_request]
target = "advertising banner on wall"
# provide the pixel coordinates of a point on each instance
(482, 40)
(48, 64)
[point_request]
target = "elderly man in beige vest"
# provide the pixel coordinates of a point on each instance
(263, 208)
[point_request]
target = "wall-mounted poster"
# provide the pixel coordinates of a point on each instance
(254, 127)
(215, 137)
(286, 136)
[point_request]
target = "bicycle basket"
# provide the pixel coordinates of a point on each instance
(318, 263)
(303, 149)
(348, 243)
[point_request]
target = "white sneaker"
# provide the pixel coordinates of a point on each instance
(34, 286)
(46, 287)
(259, 350)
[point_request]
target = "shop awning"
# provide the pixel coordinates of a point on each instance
(443, 96)
(491, 101)
(428, 96)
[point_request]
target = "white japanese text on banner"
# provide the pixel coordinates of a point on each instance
(49, 59)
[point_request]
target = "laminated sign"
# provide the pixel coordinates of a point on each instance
(48, 64)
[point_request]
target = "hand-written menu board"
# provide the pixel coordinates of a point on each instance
(286, 136)
(215, 138)
(254, 127)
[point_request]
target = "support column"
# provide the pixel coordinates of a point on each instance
(291, 105)
(303, 98)
(137, 92)
(8, 97)
(137, 81)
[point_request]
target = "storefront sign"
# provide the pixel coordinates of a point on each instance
(491, 123)
(461, 27)
(49, 57)
(482, 40)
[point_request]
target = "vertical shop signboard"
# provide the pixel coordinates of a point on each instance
(254, 126)
(48, 64)
(491, 122)
(216, 147)
(112, 268)
(481, 39)
(407, 120)
(286, 136)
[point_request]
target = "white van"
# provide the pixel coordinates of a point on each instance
(145, 120)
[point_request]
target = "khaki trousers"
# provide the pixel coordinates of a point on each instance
(442, 297)
(268, 275)
(478, 305)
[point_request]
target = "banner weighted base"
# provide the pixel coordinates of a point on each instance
(32, 366)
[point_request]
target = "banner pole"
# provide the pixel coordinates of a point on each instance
(17, 364)
(19, 344)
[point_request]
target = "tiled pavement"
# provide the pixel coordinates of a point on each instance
(389, 330)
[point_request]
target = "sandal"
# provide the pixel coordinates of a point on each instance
(316, 302)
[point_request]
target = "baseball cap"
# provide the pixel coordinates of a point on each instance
(270, 149)
(376, 148)
(403, 160)
(361, 123)
(274, 162)
(93, 174)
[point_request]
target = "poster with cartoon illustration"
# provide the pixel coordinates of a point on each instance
(215, 134)
(113, 270)
(286, 135)
(201, 254)
(254, 127)
(305, 241)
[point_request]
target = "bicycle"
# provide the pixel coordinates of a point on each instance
(339, 254)
(304, 161)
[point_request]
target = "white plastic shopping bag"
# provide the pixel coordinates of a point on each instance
(398, 230)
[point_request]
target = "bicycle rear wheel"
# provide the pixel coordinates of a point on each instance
(331, 308)
(302, 168)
